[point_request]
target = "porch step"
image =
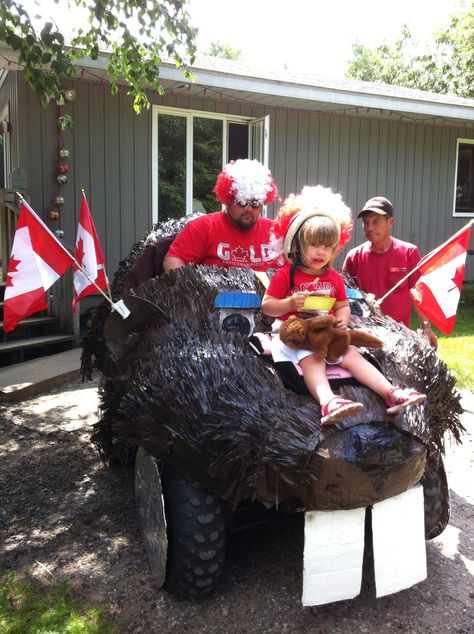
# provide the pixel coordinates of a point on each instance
(34, 321)
(24, 380)
(34, 342)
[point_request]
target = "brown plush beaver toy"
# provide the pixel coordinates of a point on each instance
(320, 335)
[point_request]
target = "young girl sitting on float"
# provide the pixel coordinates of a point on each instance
(309, 230)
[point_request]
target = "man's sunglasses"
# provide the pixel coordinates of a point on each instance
(248, 203)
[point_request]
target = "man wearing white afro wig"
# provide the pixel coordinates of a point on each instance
(237, 236)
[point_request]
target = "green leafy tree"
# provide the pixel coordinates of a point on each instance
(171, 166)
(136, 35)
(389, 63)
(451, 67)
(207, 160)
(217, 49)
(447, 67)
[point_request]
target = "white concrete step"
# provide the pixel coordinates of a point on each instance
(23, 380)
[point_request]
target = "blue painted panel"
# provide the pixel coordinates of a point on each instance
(353, 293)
(237, 299)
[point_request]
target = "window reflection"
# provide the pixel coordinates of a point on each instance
(207, 162)
(171, 166)
(187, 140)
(465, 179)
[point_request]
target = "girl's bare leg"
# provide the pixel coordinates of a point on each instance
(333, 407)
(314, 374)
(365, 372)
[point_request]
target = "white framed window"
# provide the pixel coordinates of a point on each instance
(189, 149)
(464, 184)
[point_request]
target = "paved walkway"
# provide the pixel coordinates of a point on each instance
(467, 402)
(23, 380)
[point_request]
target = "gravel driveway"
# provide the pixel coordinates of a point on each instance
(63, 510)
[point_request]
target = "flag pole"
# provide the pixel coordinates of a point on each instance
(455, 235)
(35, 215)
(422, 261)
(45, 227)
(105, 272)
(92, 281)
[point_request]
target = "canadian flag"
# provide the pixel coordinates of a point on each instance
(37, 260)
(437, 291)
(89, 256)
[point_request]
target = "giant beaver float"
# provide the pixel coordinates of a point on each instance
(201, 399)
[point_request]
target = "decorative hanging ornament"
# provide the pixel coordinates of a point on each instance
(70, 94)
(63, 153)
(61, 179)
(54, 214)
(58, 200)
(63, 168)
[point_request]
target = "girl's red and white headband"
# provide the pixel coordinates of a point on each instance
(296, 209)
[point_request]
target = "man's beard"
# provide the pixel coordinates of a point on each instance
(244, 225)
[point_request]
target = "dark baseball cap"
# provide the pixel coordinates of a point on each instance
(378, 205)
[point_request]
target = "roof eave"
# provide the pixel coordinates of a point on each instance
(301, 94)
(343, 98)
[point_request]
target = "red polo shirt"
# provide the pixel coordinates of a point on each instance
(378, 272)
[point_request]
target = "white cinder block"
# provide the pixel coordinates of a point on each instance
(333, 554)
(398, 528)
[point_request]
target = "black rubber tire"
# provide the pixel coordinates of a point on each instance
(196, 527)
(436, 495)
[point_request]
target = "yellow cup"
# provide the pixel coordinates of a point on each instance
(318, 302)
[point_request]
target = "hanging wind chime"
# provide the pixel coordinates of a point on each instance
(63, 122)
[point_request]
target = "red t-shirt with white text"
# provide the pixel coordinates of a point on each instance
(213, 239)
(328, 284)
(378, 272)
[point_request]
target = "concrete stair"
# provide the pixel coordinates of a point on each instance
(37, 376)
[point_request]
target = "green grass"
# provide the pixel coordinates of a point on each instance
(27, 609)
(457, 349)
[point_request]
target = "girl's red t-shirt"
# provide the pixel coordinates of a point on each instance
(327, 284)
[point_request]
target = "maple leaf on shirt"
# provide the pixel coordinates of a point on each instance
(240, 253)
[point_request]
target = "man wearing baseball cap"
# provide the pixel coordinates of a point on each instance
(378, 264)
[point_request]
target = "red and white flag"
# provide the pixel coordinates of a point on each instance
(37, 260)
(437, 291)
(89, 255)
